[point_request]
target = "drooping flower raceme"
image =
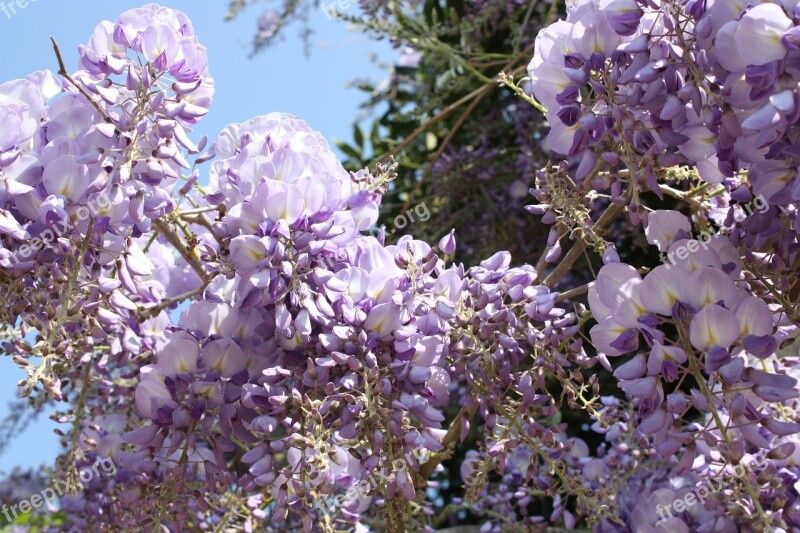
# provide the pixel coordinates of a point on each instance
(225, 330)
(697, 103)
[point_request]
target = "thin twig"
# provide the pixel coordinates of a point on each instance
(450, 439)
(197, 211)
(62, 70)
(442, 114)
(174, 239)
(577, 249)
(156, 309)
(449, 137)
(481, 93)
(577, 291)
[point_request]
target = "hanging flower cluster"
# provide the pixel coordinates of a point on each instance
(226, 332)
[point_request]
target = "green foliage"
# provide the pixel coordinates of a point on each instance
(34, 522)
(466, 147)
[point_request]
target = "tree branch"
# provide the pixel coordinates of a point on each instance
(62, 70)
(174, 239)
(577, 249)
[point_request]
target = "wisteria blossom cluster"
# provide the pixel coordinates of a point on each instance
(223, 321)
(669, 109)
(706, 84)
(309, 358)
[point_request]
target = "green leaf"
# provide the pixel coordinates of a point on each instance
(358, 135)
(349, 150)
(375, 134)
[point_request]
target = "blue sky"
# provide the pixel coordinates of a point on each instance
(279, 79)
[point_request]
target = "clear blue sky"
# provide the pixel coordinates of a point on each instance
(279, 79)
